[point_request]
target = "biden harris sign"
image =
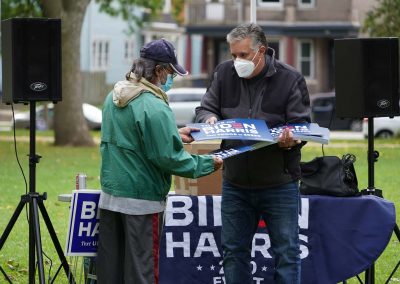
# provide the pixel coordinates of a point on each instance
(339, 238)
(83, 229)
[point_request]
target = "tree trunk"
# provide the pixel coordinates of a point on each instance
(70, 126)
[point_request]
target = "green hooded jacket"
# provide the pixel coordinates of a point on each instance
(140, 144)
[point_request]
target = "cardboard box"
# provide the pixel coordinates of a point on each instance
(207, 185)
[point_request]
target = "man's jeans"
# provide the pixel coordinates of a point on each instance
(241, 211)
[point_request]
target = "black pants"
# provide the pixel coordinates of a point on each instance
(128, 248)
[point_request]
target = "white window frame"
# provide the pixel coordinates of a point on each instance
(306, 5)
(311, 58)
(129, 49)
(100, 54)
(277, 5)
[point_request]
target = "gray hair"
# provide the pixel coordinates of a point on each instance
(252, 31)
(144, 67)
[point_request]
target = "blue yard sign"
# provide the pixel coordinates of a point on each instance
(83, 229)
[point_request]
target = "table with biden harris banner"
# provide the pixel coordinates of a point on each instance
(339, 237)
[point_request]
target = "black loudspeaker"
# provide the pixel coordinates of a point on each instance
(31, 50)
(367, 77)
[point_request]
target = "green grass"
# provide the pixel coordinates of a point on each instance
(55, 174)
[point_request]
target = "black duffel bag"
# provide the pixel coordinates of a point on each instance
(329, 175)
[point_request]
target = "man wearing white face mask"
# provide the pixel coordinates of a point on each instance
(244, 67)
(261, 183)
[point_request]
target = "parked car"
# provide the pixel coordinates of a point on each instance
(183, 102)
(323, 106)
(384, 127)
(44, 120)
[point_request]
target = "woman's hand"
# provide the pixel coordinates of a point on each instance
(218, 162)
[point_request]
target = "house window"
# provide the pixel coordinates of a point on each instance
(306, 3)
(274, 44)
(129, 50)
(271, 3)
(100, 54)
(306, 58)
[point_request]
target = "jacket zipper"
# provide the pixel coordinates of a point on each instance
(256, 101)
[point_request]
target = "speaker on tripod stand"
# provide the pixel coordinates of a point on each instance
(367, 86)
(32, 72)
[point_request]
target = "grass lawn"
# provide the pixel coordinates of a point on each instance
(55, 174)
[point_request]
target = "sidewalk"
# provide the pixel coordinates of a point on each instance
(348, 135)
(336, 136)
(6, 117)
(5, 120)
(38, 138)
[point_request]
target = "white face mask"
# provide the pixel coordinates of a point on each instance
(244, 67)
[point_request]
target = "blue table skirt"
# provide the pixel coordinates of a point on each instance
(340, 238)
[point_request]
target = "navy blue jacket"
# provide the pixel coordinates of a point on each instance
(282, 99)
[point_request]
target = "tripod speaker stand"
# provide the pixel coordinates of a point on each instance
(35, 202)
(371, 190)
(32, 72)
(367, 85)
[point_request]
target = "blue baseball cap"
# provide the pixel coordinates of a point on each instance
(162, 50)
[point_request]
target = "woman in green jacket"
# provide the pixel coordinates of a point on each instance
(141, 148)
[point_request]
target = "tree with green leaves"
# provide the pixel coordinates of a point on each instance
(69, 123)
(384, 19)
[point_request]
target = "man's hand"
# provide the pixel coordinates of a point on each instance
(217, 162)
(184, 132)
(285, 139)
(211, 120)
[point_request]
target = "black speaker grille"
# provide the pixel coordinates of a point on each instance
(367, 77)
(34, 66)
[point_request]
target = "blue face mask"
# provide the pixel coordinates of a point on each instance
(168, 83)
